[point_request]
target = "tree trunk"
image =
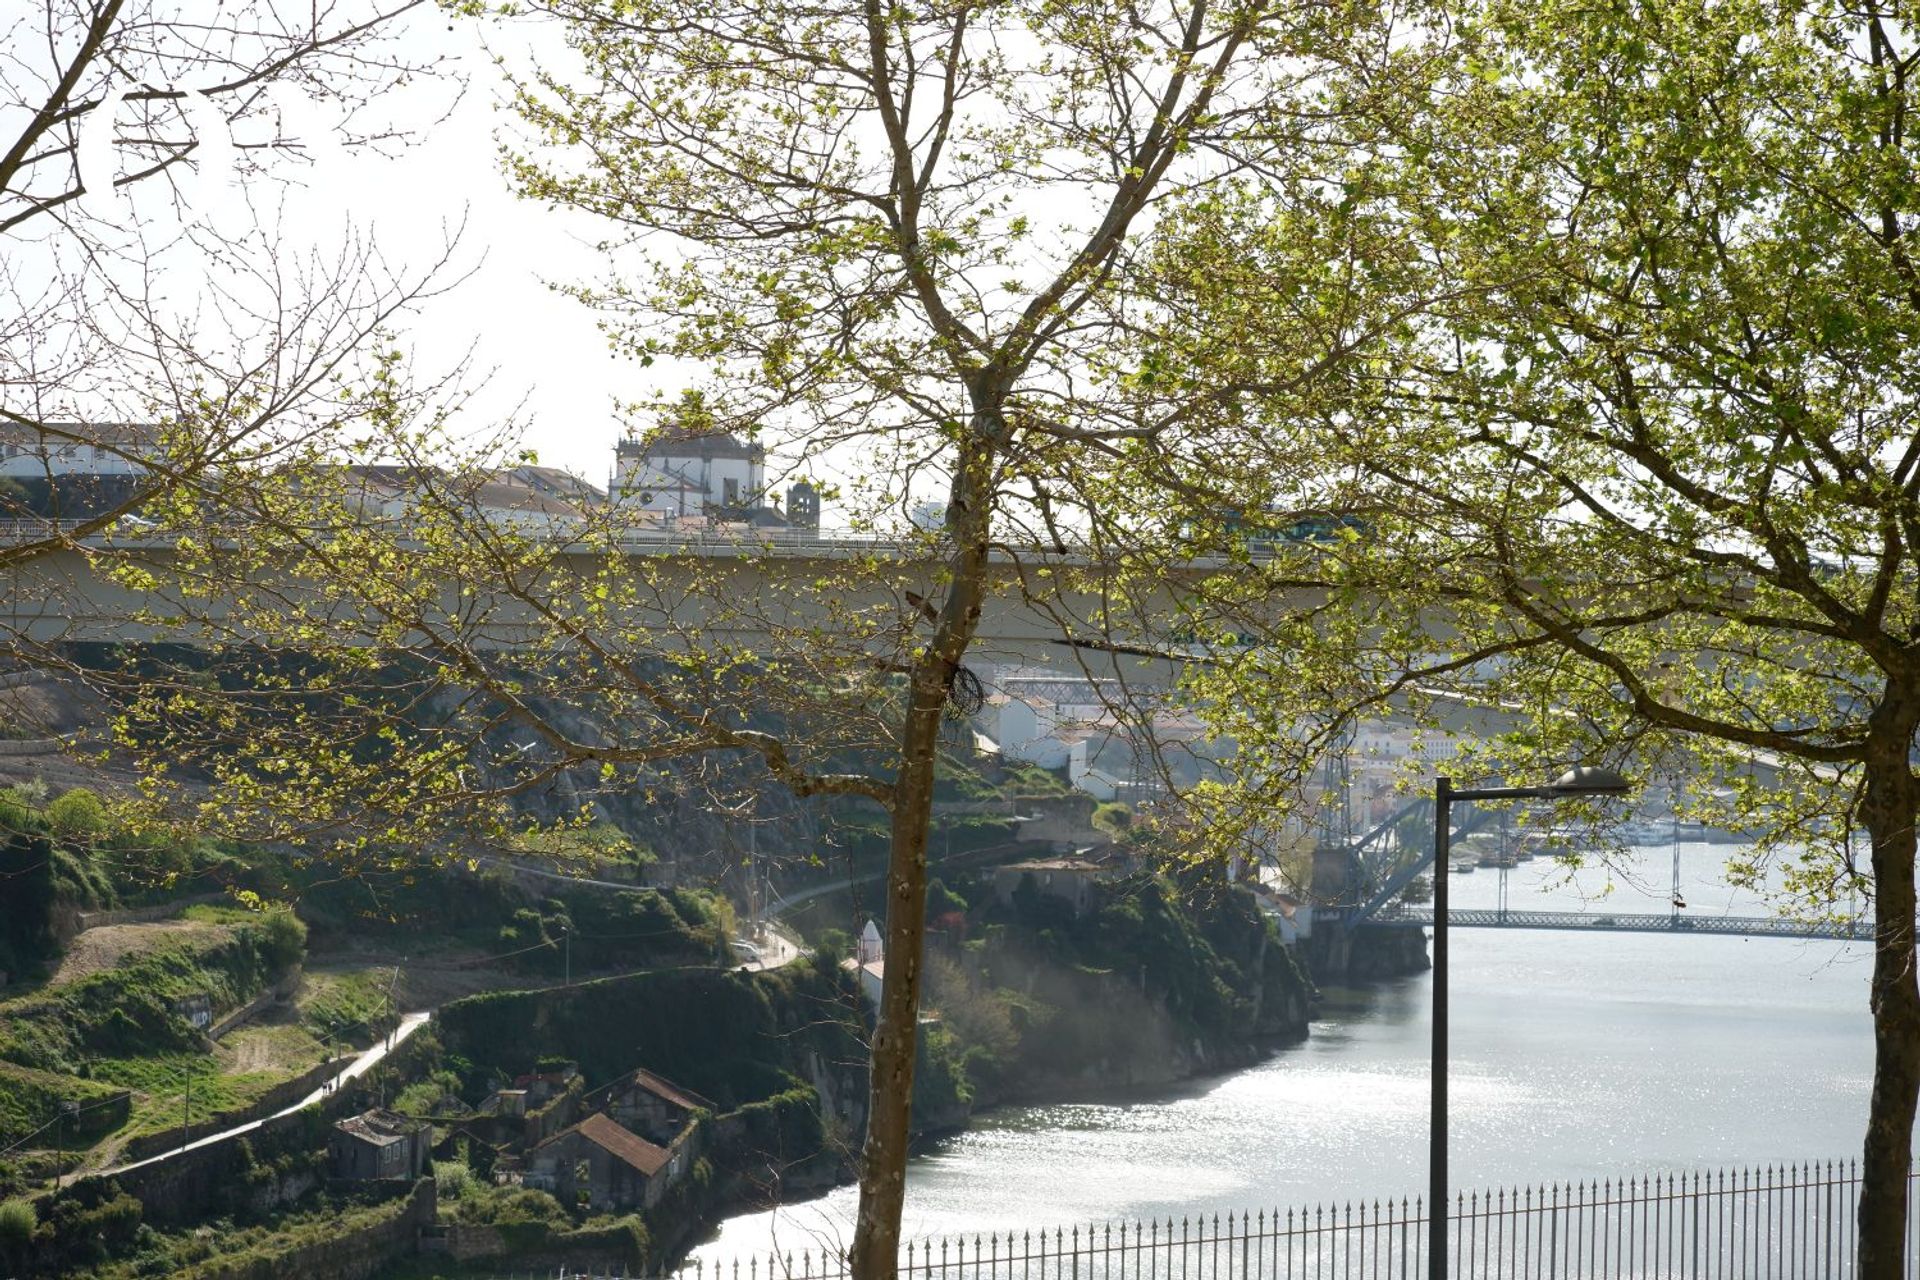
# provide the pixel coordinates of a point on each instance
(883, 1161)
(1887, 811)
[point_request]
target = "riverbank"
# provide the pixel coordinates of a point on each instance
(1576, 1056)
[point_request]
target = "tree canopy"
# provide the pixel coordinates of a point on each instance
(1634, 454)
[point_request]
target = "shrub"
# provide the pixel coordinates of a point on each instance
(78, 816)
(521, 1206)
(283, 938)
(31, 794)
(833, 946)
(17, 815)
(451, 1179)
(17, 1221)
(429, 1096)
(93, 1233)
(943, 901)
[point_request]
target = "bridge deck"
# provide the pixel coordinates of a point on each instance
(1749, 926)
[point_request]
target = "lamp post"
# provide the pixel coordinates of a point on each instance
(1581, 781)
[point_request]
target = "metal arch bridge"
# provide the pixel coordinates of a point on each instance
(1596, 922)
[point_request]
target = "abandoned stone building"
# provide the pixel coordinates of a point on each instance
(377, 1144)
(650, 1105)
(615, 1168)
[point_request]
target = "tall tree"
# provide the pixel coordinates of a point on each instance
(1645, 464)
(899, 244)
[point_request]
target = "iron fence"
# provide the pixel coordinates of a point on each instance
(1785, 1222)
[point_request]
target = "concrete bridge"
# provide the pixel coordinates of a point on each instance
(725, 586)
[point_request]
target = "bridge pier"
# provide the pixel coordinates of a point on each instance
(1338, 953)
(1339, 956)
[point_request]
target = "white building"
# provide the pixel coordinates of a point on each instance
(531, 500)
(678, 472)
(1115, 742)
(94, 449)
(1385, 758)
(868, 963)
(1025, 727)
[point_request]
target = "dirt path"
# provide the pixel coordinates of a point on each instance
(107, 946)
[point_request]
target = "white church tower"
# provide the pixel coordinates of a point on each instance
(688, 471)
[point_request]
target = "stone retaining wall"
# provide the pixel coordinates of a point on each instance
(142, 915)
(528, 1246)
(278, 1098)
(348, 1255)
(279, 993)
(184, 1187)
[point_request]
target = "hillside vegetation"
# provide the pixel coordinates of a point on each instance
(1156, 979)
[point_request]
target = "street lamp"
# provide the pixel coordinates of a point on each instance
(1580, 781)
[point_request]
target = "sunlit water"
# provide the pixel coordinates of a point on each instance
(1574, 1055)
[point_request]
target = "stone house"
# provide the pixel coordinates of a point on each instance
(1071, 880)
(542, 1086)
(538, 1106)
(650, 1105)
(617, 1168)
(377, 1144)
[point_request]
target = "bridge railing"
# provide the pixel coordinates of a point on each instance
(731, 539)
(1745, 926)
(1758, 1223)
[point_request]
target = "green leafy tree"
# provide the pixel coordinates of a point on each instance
(1633, 454)
(900, 243)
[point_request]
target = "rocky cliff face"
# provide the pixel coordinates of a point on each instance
(1371, 953)
(1147, 985)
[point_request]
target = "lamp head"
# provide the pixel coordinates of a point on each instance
(1589, 780)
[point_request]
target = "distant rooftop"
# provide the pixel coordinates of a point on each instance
(379, 1127)
(112, 435)
(670, 439)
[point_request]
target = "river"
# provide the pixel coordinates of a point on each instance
(1575, 1055)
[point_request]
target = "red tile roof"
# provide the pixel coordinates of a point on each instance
(622, 1144)
(662, 1087)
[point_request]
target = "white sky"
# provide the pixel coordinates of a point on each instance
(539, 351)
(540, 346)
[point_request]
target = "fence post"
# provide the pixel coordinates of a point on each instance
(1553, 1237)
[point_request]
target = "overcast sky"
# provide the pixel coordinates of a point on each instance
(539, 347)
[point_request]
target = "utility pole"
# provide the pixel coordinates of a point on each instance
(68, 1109)
(566, 947)
(393, 1014)
(186, 1114)
(1673, 812)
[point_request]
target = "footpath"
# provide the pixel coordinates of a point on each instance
(362, 1063)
